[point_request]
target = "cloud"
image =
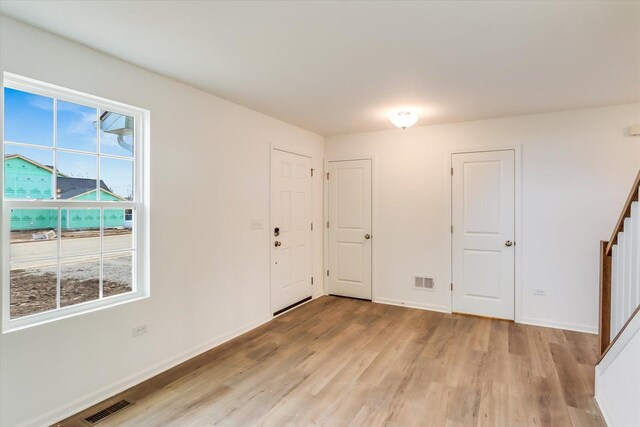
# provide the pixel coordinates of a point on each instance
(83, 125)
(41, 102)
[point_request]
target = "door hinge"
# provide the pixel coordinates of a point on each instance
(451, 171)
(327, 224)
(327, 273)
(312, 280)
(327, 175)
(311, 226)
(452, 229)
(452, 286)
(311, 171)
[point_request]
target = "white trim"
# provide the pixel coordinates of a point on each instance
(409, 304)
(140, 204)
(517, 148)
(27, 84)
(292, 151)
(71, 311)
(79, 405)
(632, 329)
(623, 340)
(373, 218)
(559, 325)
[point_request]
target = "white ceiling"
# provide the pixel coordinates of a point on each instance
(341, 67)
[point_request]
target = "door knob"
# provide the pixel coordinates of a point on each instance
(508, 243)
(276, 244)
(367, 236)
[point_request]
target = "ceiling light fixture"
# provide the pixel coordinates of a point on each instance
(404, 119)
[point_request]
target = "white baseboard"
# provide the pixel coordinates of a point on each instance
(525, 321)
(106, 392)
(412, 304)
(559, 325)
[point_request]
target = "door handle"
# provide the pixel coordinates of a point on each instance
(508, 243)
(367, 236)
(276, 244)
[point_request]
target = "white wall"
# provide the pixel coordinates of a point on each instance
(211, 282)
(617, 379)
(577, 169)
(209, 272)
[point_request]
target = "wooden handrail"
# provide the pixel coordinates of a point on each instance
(626, 212)
(604, 337)
(604, 333)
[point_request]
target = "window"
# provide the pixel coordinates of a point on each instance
(74, 203)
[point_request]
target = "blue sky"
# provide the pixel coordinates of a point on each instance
(76, 127)
(29, 119)
(118, 175)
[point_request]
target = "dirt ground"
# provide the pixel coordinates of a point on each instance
(34, 290)
(27, 236)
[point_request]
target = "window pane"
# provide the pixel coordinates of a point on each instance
(117, 176)
(33, 234)
(28, 118)
(76, 127)
(80, 229)
(27, 172)
(32, 287)
(77, 174)
(118, 227)
(116, 134)
(79, 280)
(117, 273)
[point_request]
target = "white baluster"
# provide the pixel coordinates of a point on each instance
(628, 245)
(620, 264)
(635, 256)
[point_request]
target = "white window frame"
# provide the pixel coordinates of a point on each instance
(140, 206)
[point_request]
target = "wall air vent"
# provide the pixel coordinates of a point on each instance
(427, 283)
(106, 412)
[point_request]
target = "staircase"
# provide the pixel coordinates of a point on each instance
(618, 370)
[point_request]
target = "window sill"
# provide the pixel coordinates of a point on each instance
(39, 319)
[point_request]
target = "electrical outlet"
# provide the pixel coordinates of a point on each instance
(256, 224)
(139, 330)
(540, 292)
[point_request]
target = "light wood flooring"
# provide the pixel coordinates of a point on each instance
(338, 362)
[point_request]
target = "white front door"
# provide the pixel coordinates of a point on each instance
(483, 246)
(350, 228)
(290, 234)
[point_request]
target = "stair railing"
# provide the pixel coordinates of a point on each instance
(620, 272)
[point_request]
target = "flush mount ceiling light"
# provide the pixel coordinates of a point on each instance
(404, 119)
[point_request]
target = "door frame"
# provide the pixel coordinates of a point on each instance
(517, 149)
(302, 153)
(326, 218)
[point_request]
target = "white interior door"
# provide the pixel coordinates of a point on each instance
(350, 228)
(290, 234)
(483, 246)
